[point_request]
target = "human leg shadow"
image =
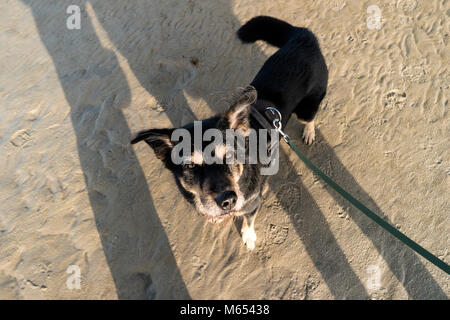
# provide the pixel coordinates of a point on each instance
(163, 63)
(313, 230)
(404, 264)
(178, 49)
(134, 241)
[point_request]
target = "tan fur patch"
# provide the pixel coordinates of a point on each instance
(197, 157)
(220, 150)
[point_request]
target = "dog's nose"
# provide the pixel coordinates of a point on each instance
(227, 200)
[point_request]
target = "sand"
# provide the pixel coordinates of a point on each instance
(76, 197)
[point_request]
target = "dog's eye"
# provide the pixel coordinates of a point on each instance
(189, 166)
(229, 155)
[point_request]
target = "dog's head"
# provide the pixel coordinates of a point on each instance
(221, 189)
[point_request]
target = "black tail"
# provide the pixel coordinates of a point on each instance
(272, 30)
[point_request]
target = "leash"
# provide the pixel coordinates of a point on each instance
(356, 203)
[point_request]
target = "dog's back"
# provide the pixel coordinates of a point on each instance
(295, 77)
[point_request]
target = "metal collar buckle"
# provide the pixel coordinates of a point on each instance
(277, 122)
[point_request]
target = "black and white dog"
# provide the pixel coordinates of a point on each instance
(293, 80)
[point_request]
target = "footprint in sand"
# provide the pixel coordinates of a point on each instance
(198, 266)
(407, 5)
(289, 195)
(176, 75)
(395, 99)
(276, 234)
(337, 5)
(416, 73)
(20, 138)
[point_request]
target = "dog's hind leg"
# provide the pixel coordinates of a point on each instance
(306, 111)
(248, 230)
(309, 132)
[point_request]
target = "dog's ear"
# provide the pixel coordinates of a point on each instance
(237, 116)
(159, 140)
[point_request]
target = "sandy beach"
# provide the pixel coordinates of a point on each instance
(85, 215)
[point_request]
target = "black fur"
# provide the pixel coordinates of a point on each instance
(271, 30)
(294, 80)
(295, 77)
(159, 140)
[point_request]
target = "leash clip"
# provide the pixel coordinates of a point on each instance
(277, 123)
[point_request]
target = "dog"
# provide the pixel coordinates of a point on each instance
(293, 80)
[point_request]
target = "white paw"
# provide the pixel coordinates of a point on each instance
(309, 134)
(249, 237)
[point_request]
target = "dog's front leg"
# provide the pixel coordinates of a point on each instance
(248, 230)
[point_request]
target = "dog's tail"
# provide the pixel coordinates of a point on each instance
(272, 30)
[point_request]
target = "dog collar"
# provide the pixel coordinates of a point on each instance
(259, 111)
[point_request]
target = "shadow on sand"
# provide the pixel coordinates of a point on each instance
(134, 241)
